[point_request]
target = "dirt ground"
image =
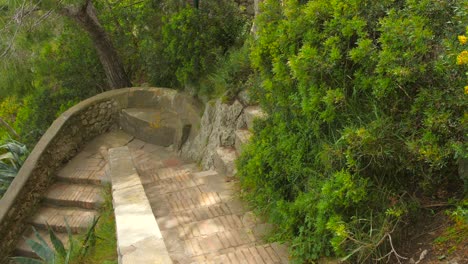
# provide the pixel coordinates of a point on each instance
(435, 238)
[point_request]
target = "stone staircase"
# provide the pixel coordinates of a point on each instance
(75, 196)
(77, 203)
(198, 216)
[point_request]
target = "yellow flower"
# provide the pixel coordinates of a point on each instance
(462, 58)
(463, 39)
(466, 89)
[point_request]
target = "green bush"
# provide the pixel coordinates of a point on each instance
(233, 74)
(366, 109)
(57, 252)
(60, 72)
(12, 156)
(188, 42)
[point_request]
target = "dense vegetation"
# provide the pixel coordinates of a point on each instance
(366, 101)
(161, 43)
(367, 119)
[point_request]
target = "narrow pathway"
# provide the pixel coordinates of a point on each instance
(198, 213)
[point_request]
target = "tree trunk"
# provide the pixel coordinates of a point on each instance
(86, 18)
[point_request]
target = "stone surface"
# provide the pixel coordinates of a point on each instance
(55, 217)
(88, 166)
(200, 216)
(218, 124)
(224, 161)
(242, 137)
(202, 174)
(251, 113)
(138, 236)
(155, 126)
(74, 195)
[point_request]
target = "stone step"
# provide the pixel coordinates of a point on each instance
(180, 218)
(242, 137)
(183, 250)
(217, 242)
(224, 161)
(89, 176)
(259, 254)
(24, 250)
(210, 226)
(202, 174)
(180, 201)
(74, 195)
(156, 126)
(78, 219)
(224, 185)
(84, 168)
(251, 113)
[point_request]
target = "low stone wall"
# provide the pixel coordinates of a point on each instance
(64, 139)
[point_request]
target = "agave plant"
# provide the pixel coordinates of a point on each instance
(12, 156)
(58, 253)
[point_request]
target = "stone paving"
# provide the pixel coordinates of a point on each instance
(198, 213)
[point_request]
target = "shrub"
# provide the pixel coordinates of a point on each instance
(233, 74)
(365, 107)
(12, 156)
(57, 252)
(190, 41)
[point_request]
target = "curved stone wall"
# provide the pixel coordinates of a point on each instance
(64, 139)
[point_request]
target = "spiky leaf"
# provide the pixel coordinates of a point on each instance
(44, 252)
(57, 243)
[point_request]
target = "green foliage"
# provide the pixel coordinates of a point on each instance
(233, 74)
(189, 42)
(365, 104)
(12, 156)
(50, 73)
(58, 253)
(166, 43)
(106, 240)
(9, 108)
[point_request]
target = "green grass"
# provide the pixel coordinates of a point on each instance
(105, 250)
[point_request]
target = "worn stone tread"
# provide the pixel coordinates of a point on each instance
(74, 195)
(257, 254)
(90, 175)
(77, 218)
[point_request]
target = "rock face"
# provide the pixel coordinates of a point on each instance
(218, 126)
